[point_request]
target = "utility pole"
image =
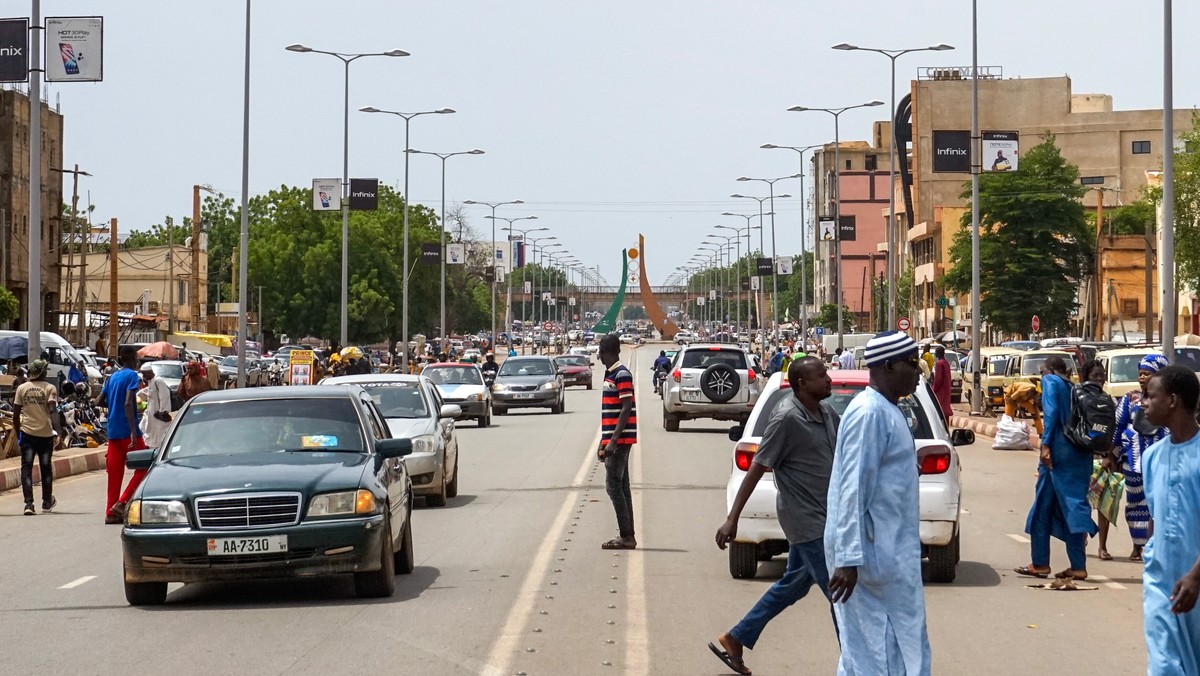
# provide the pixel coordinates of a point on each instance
(74, 234)
(194, 278)
(261, 331)
(170, 278)
(113, 320)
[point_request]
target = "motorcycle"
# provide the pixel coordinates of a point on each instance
(489, 378)
(660, 376)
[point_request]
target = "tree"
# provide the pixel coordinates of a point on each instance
(9, 307)
(1035, 246)
(1187, 205)
(1131, 219)
(160, 235)
(827, 317)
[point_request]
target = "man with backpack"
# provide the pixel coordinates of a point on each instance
(1060, 506)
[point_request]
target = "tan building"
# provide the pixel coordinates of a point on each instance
(1113, 150)
(14, 203)
(143, 283)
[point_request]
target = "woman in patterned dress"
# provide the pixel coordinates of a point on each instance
(1134, 434)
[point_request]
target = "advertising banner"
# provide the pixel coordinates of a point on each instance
(745, 283)
(431, 254)
(528, 287)
(552, 301)
(74, 49)
(546, 295)
(364, 194)
(712, 295)
(700, 301)
(952, 151)
(14, 50)
(327, 194)
(825, 230)
(765, 266)
(571, 301)
(456, 254)
(848, 230)
(1000, 150)
(755, 283)
(300, 363)
(783, 265)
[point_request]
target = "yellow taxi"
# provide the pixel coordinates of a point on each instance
(992, 384)
(1027, 366)
(1122, 368)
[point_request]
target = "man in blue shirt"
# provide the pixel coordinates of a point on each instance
(120, 397)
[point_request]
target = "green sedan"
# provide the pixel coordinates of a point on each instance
(267, 483)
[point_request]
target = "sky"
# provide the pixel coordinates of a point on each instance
(609, 119)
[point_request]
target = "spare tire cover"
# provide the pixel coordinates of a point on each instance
(720, 382)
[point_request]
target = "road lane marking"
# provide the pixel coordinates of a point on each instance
(75, 583)
(1107, 582)
(637, 648)
(500, 657)
(1019, 538)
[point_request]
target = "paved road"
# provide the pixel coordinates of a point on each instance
(510, 578)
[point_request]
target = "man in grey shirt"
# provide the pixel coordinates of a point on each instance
(797, 447)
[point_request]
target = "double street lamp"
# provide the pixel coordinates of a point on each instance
(774, 260)
(837, 198)
(892, 55)
(524, 238)
(760, 201)
(492, 264)
(442, 237)
(404, 285)
(346, 59)
(803, 236)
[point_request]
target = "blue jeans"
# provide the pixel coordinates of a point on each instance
(805, 566)
(1046, 509)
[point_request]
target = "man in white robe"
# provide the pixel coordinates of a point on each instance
(158, 408)
(872, 532)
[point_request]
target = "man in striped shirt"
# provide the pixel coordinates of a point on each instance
(618, 434)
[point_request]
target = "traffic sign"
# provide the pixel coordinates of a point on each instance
(904, 323)
(942, 302)
(548, 326)
(820, 330)
(1037, 324)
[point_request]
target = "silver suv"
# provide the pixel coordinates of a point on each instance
(709, 380)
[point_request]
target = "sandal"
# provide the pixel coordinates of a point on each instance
(1033, 571)
(618, 543)
(1105, 556)
(1071, 574)
(730, 661)
(1136, 557)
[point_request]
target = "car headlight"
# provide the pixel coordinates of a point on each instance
(424, 443)
(342, 503)
(156, 512)
(499, 387)
(476, 397)
(552, 385)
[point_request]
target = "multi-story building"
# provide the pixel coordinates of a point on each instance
(14, 203)
(863, 191)
(1114, 150)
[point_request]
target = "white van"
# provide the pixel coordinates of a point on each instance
(57, 351)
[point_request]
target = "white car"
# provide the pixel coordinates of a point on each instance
(760, 537)
(684, 337)
(462, 384)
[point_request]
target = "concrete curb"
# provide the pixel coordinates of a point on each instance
(65, 463)
(987, 429)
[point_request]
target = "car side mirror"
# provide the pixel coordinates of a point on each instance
(140, 459)
(450, 411)
(736, 432)
(962, 437)
(394, 448)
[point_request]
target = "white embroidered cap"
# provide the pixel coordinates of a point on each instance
(889, 345)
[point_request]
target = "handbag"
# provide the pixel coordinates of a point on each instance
(1141, 425)
(1105, 491)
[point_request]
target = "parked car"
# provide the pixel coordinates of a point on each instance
(760, 537)
(528, 381)
(1027, 366)
(683, 337)
(710, 381)
(992, 382)
(575, 370)
(1122, 369)
(170, 372)
(462, 385)
(413, 409)
(270, 483)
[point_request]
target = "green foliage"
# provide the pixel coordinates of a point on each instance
(160, 235)
(827, 317)
(1035, 246)
(1187, 205)
(1131, 219)
(9, 307)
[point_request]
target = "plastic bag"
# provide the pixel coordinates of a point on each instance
(1105, 491)
(1011, 435)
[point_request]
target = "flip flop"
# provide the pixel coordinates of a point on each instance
(734, 663)
(1030, 571)
(617, 543)
(1071, 574)
(1135, 557)
(1105, 556)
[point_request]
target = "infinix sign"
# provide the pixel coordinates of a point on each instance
(364, 194)
(952, 151)
(14, 50)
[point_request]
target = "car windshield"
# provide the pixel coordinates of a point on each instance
(526, 367)
(1188, 357)
(996, 366)
(265, 425)
(453, 375)
(231, 360)
(1124, 368)
(1032, 366)
(705, 357)
(918, 422)
(571, 361)
(167, 370)
(399, 399)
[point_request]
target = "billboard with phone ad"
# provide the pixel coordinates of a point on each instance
(74, 49)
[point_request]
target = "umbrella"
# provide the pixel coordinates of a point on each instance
(159, 350)
(1185, 339)
(14, 347)
(352, 353)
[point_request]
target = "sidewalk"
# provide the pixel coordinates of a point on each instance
(67, 462)
(984, 425)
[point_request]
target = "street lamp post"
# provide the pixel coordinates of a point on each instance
(404, 284)
(524, 238)
(747, 229)
(729, 243)
(774, 258)
(346, 59)
(761, 214)
(837, 201)
(892, 55)
(533, 286)
(1167, 247)
(493, 217)
(442, 237)
(803, 239)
